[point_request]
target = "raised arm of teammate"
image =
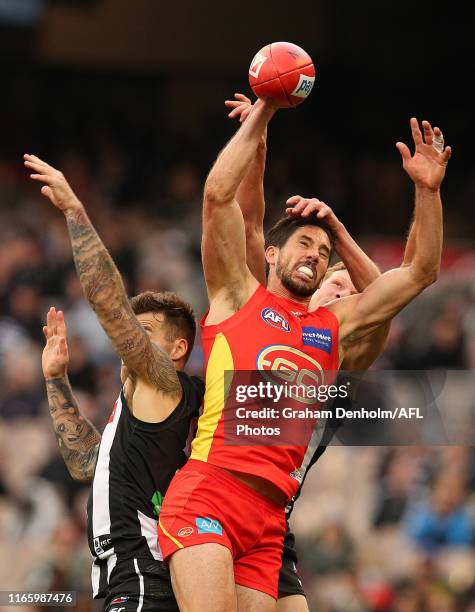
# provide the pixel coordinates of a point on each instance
(78, 439)
(250, 194)
(387, 295)
(146, 362)
(229, 281)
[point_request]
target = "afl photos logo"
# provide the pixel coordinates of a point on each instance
(282, 364)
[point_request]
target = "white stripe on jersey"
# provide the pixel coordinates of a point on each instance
(95, 578)
(149, 529)
(139, 607)
(101, 520)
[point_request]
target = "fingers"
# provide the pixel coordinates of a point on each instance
(61, 324)
(304, 207)
(46, 333)
(36, 160)
(51, 322)
(238, 111)
(446, 155)
(438, 142)
(48, 192)
(428, 133)
(416, 132)
(242, 98)
(404, 151)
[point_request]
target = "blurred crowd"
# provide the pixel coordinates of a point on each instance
(377, 529)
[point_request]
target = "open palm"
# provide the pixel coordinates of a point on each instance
(427, 166)
(55, 357)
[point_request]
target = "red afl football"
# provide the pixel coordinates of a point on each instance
(284, 72)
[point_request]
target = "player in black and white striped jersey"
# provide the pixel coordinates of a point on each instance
(145, 439)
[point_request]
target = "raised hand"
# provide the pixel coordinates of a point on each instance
(55, 357)
(241, 107)
(304, 207)
(427, 166)
(56, 187)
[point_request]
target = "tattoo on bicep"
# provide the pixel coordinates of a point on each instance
(105, 291)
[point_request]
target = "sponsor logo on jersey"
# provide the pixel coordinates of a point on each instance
(282, 364)
(102, 543)
(119, 600)
(116, 609)
(207, 525)
(256, 64)
(304, 86)
(273, 318)
(318, 338)
(185, 532)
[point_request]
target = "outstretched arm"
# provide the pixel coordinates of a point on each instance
(384, 298)
(78, 439)
(250, 194)
(103, 287)
(228, 278)
(361, 268)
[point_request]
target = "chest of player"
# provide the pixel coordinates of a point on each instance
(281, 340)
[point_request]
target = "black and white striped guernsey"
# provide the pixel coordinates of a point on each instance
(136, 463)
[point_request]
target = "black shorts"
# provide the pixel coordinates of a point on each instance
(289, 580)
(140, 584)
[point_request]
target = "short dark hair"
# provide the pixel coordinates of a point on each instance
(281, 231)
(179, 315)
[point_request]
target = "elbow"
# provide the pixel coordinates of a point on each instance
(427, 275)
(84, 477)
(215, 193)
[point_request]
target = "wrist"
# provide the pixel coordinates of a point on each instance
(422, 188)
(62, 375)
(338, 229)
(73, 208)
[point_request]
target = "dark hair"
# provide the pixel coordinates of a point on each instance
(339, 265)
(281, 231)
(179, 315)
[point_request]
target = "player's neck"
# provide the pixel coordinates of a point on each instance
(277, 288)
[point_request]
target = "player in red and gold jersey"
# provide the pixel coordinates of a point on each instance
(224, 512)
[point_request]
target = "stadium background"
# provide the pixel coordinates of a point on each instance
(127, 99)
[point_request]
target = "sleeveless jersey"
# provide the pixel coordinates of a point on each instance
(269, 333)
(136, 463)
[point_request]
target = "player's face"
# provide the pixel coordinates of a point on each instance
(303, 260)
(336, 286)
(154, 323)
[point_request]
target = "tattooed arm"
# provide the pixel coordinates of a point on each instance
(78, 439)
(103, 287)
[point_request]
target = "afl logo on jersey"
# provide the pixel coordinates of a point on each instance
(273, 318)
(283, 364)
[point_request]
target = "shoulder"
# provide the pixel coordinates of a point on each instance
(192, 385)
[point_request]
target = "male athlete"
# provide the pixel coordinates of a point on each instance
(229, 500)
(339, 281)
(145, 440)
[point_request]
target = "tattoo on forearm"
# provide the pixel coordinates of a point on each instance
(78, 439)
(106, 293)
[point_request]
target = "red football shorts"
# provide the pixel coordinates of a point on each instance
(206, 504)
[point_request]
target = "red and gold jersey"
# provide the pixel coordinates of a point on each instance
(269, 333)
